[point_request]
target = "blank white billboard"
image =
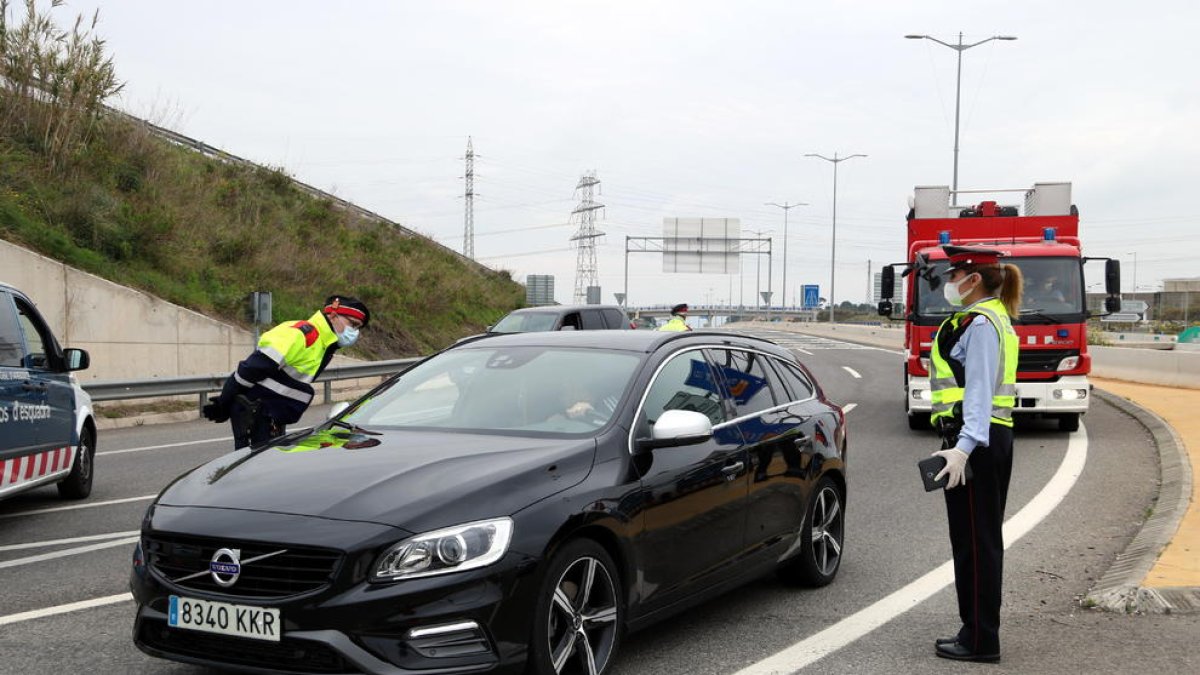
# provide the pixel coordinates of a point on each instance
(702, 245)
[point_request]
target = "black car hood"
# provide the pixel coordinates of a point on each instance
(415, 480)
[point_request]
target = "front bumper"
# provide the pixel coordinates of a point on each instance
(1069, 394)
(467, 622)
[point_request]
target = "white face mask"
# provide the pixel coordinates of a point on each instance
(953, 292)
(348, 336)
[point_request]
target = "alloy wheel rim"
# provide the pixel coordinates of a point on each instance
(582, 624)
(826, 534)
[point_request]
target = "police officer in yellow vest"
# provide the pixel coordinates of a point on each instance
(272, 387)
(678, 322)
(974, 375)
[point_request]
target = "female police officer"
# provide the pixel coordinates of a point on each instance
(974, 363)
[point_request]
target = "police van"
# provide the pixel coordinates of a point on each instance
(47, 433)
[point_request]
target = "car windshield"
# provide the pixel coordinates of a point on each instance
(535, 390)
(525, 322)
(1052, 286)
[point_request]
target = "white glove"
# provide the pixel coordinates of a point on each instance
(956, 467)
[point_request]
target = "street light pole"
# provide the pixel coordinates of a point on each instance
(835, 160)
(1133, 290)
(786, 207)
(960, 48)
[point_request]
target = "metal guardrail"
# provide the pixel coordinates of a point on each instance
(120, 390)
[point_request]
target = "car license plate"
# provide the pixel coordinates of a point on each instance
(223, 618)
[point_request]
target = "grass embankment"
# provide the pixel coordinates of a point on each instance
(203, 234)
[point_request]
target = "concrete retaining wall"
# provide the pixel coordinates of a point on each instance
(129, 334)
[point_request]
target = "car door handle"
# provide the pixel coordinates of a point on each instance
(732, 470)
(33, 386)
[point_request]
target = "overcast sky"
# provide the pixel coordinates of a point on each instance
(689, 109)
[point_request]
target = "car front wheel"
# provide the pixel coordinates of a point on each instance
(580, 607)
(78, 483)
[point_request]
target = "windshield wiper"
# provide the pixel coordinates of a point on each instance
(1037, 313)
(353, 427)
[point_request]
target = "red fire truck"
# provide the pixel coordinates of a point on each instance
(1042, 238)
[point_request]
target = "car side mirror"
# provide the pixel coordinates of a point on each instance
(567, 327)
(76, 359)
(675, 428)
(337, 409)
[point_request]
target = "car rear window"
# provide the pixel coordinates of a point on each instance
(526, 322)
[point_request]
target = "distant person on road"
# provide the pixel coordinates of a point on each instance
(974, 375)
(678, 322)
(272, 387)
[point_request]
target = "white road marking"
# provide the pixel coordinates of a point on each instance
(75, 507)
(862, 622)
(165, 445)
(66, 552)
(73, 540)
(802, 351)
(63, 609)
(853, 372)
(848, 407)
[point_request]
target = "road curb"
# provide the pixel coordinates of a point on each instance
(1120, 589)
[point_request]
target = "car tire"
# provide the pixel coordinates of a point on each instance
(1068, 422)
(821, 539)
(574, 620)
(78, 483)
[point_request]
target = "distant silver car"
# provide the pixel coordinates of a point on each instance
(563, 317)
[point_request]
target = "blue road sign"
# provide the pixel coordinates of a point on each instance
(812, 296)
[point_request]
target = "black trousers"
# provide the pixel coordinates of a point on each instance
(976, 514)
(261, 428)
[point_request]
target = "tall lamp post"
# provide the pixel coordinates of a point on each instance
(1134, 254)
(786, 207)
(960, 48)
(835, 160)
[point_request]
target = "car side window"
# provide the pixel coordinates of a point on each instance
(12, 349)
(615, 319)
(797, 384)
(37, 338)
(746, 376)
(592, 319)
(686, 382)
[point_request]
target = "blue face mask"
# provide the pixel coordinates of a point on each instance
(348, 336)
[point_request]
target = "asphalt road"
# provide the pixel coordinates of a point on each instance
(896, 533)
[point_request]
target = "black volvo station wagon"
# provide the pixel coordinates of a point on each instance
(519, 501)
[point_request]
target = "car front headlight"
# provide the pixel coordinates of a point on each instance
(452, 549)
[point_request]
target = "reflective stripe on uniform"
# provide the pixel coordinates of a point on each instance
(286, 391)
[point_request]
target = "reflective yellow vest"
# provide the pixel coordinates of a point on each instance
(948, 390)
(676, 324)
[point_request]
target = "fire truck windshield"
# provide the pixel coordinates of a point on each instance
(1053, 288)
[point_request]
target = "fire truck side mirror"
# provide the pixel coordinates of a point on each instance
(1112, 304)
(1112, 279)
(887, 283)
(885, 308)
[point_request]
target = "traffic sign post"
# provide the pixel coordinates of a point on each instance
(766, 296)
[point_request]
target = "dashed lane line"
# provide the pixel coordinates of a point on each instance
(859, 624)
(76, 507)
(848, 407)
(78, 550)
(853, 372)
(73, 540)
(64, 609)
(164, 445)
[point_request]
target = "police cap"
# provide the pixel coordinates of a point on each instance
(348, 306)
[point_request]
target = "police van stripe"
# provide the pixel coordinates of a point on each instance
(31, 467)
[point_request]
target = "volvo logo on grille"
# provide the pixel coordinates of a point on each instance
(226, 566)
